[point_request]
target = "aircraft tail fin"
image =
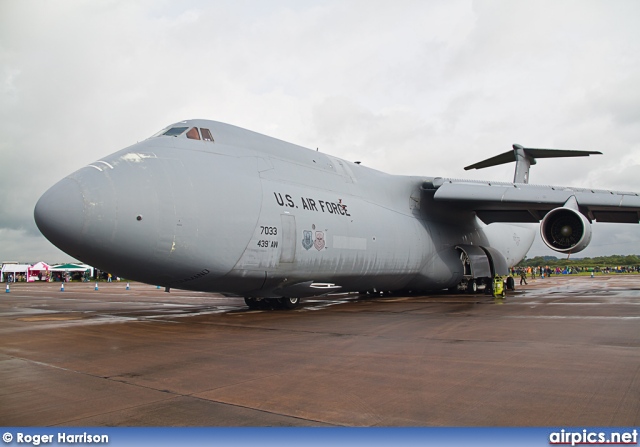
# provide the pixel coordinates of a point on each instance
(525, 157)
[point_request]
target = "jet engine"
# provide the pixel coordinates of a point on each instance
(565, 230)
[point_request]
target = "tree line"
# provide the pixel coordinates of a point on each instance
(598, 261)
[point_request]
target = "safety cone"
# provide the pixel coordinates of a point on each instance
(96, 287)
(7, 290)
(62, 287)
(128, 288)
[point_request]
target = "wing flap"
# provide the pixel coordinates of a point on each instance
(616, 216)
(491, 216)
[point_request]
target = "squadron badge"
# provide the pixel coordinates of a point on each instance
(307, 243)
(319, 242)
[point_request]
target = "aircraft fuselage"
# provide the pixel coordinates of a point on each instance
(250, 215)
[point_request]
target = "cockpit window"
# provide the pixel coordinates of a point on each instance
(193, 133)
(206, 134)
(175, 131)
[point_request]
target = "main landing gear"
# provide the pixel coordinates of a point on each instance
(272, 303)
(472, 286)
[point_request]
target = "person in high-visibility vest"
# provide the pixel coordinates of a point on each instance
(498, 286)
(523, 276)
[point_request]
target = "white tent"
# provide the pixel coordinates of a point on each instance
(72, 268)
(38, 271)
(12, 269)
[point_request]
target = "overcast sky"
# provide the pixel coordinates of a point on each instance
(419, 88)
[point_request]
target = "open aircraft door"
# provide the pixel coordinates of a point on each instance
(497, 261)
(499, 266)
(477, 267)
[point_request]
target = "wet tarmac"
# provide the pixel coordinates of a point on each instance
(563, 351)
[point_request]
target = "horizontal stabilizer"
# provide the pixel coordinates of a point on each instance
(525, 157)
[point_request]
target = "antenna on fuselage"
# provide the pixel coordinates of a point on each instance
(525, 157)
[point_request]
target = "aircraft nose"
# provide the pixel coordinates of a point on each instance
(78, 214)
(60, 213)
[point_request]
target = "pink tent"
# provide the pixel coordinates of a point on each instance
(38, 271)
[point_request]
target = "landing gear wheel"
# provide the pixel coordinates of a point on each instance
(251, 303)
(472, 286)
(289, 303)
(511, 283)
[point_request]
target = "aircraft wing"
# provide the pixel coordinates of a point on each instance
(519, 202)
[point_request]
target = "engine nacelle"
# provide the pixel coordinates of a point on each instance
(565, 230)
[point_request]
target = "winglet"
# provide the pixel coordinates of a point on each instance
(525, 157)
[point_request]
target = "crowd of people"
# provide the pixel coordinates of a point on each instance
(63, 277)
(541, 272)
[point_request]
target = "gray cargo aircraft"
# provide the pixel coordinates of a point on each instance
(208, 206)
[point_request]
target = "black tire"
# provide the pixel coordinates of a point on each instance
(472, 286)
(251, 303)
(289, 303)
(511, 283)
